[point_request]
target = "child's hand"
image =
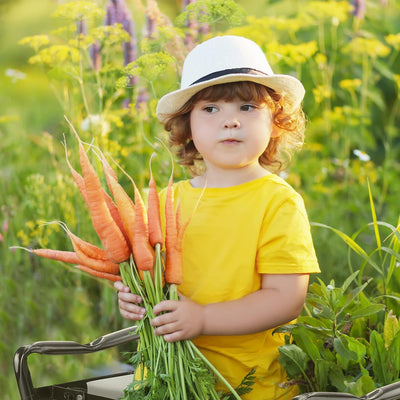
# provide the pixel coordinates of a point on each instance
(182, 319)
(128, 303)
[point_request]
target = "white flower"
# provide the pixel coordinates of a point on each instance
(15, 75)
(362, 155)
(284, 174)
(95, 122)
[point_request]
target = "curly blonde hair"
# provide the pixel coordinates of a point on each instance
(288, 124)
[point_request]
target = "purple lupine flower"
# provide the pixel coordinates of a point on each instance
(150, 25)
(121, 10)
(95, 55)
(111, 14)
(192, 25)
(359, 8)
(81, 27)
(129, 47)
(118, 13)
(94, 49)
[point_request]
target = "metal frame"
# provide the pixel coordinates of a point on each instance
(75, 389)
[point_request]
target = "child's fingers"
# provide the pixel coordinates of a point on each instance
(129, 309)
(132, 313)
(129, 298)
(165, 306)
(121, 287)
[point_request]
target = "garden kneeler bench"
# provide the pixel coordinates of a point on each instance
(388, 392)
(109, 387)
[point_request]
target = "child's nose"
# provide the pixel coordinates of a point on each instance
(232, 123)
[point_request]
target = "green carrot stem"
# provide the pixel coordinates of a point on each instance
(181, 371)
(158, 274)
(216, 372)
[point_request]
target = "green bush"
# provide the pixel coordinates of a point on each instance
(348, 338)
(348, 63)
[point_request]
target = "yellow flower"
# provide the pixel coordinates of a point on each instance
(393, 40)
(293, 54)
(335, 10)
(36, 41)
(151, 66)
(321, 60)
(321, 92)
(366, 46)
(56, 55)
(350, 84)
(78, 10)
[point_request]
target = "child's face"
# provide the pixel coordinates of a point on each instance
(230, 134)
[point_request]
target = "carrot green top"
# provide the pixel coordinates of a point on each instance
(236, 234)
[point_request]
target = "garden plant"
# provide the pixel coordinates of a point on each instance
(104, 64)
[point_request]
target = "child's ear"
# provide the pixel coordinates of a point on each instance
(275, 131)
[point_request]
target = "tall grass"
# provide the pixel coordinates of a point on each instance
(348, 63)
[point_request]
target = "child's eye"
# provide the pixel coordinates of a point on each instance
(247, 107)
(210, 109)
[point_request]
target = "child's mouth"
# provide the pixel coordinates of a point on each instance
(230, 141)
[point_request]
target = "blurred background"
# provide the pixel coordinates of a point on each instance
(72, 58)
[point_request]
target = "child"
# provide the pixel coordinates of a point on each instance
(247, 250)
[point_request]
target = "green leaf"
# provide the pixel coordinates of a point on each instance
(353, 245)
(337, 378)
(394, 354)
(321, 370)
(374, 219)
(294, 360)
(366, 311)
(364, 384)
(349, 280)
(308, 342)
(343, 354)
(357, 347)
(390, 328)
(347, 239)
(380, 359)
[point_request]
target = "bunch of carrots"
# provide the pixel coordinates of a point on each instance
(136, 252)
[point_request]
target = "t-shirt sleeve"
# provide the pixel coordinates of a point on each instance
(285, 243)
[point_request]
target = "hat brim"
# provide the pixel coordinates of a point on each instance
(288, 86)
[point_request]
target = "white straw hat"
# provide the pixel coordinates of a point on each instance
(224, 59)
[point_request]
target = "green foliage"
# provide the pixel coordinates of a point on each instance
(348, 338)
(68, 62)
(217, 14)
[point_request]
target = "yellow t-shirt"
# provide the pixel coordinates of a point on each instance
(234, 235)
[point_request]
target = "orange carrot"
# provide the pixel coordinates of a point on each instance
(116, 216)
(143, 253)
(96, 264)
(80, 182)
(105, 275)
(174, 264)
(69, 257)
(153, 214)
(92, 256)
(125, 207)
(109, 172)
(108, 231)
